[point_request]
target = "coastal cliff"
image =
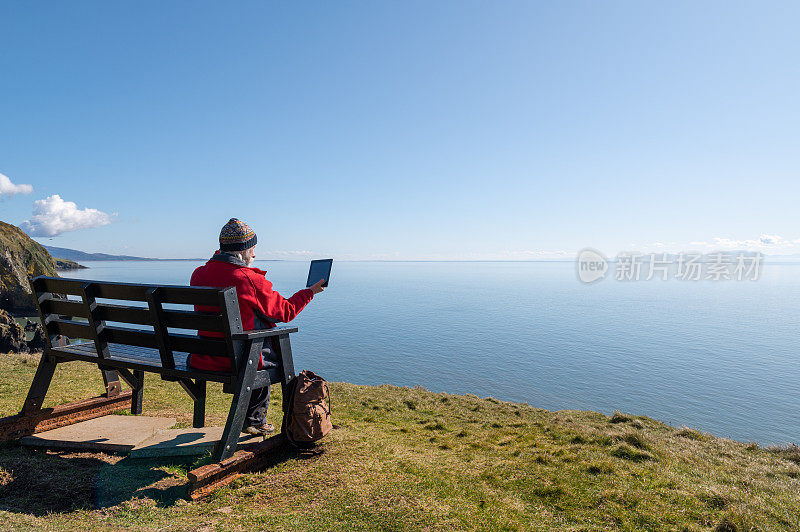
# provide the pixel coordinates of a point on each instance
(20, 258)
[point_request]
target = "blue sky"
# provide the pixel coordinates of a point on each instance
(405, 130)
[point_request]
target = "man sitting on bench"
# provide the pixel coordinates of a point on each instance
(260, 307)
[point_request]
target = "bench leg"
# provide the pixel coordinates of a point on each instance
(197, 391)
(136, 381)
(111, 380)
(40, 384)
(138, 393)
(283, 349)
(241, 399)
(199, 420)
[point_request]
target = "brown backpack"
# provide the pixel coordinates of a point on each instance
(308, 416)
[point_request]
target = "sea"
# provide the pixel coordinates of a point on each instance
(717, 356)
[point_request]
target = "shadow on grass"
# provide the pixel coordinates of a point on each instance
(38, 482)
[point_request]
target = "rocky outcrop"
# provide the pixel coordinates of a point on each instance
(66, 264)
(37, 342)
(12, 335)
(20, 258)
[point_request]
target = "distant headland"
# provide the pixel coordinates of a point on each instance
(75, 255)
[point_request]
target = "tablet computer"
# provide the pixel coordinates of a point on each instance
(320, 269)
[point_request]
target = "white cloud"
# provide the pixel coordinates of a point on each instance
(7, 188)
(765, 241)
(292, 254)
(769, 240)
(53, 216)
(536, 254)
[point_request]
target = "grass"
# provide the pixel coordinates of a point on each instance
(408, 459)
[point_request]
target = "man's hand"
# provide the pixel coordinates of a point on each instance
(317, 288)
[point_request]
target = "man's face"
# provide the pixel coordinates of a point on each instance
(249, 255)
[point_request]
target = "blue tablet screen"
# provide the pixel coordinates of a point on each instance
(320, 269)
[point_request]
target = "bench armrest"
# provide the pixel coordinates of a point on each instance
(263, 333)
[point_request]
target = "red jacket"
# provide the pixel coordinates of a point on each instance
(255, 295)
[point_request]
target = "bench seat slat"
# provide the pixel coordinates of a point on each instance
(180, 342)
(64, 307)
(137, 358)
(140, 338)
(177, 319)
(71, 329)
(182, 295)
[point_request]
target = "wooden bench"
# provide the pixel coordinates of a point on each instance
(141, 332)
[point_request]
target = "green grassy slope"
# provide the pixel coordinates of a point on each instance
(408, 459)
(32, 255)
(20, 258)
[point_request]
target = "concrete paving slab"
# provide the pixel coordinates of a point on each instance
(117, 434)
(184, 442)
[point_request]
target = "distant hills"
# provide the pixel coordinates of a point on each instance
(75, 255)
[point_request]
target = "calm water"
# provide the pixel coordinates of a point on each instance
(720, 357)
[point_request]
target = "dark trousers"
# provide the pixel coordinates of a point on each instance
(257, 409)
(259, 399)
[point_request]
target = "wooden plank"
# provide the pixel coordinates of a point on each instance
(198, 345)
(96, 325)
(64, 307)
(69, 328)
(264, 333)
(189, 295)
(136, 337)
(178, 319)
(180, 342)
(125, 314)
(250, 457)
(229, 306)
(114, 362)
(160, 333)
(125, 353)
(200, 321)
(182, 295)
(14, 427)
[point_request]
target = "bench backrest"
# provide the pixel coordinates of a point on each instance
(137, 305)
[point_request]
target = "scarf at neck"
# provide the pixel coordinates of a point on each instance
(226, 257)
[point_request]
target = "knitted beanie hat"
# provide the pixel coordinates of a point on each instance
(236, 236)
